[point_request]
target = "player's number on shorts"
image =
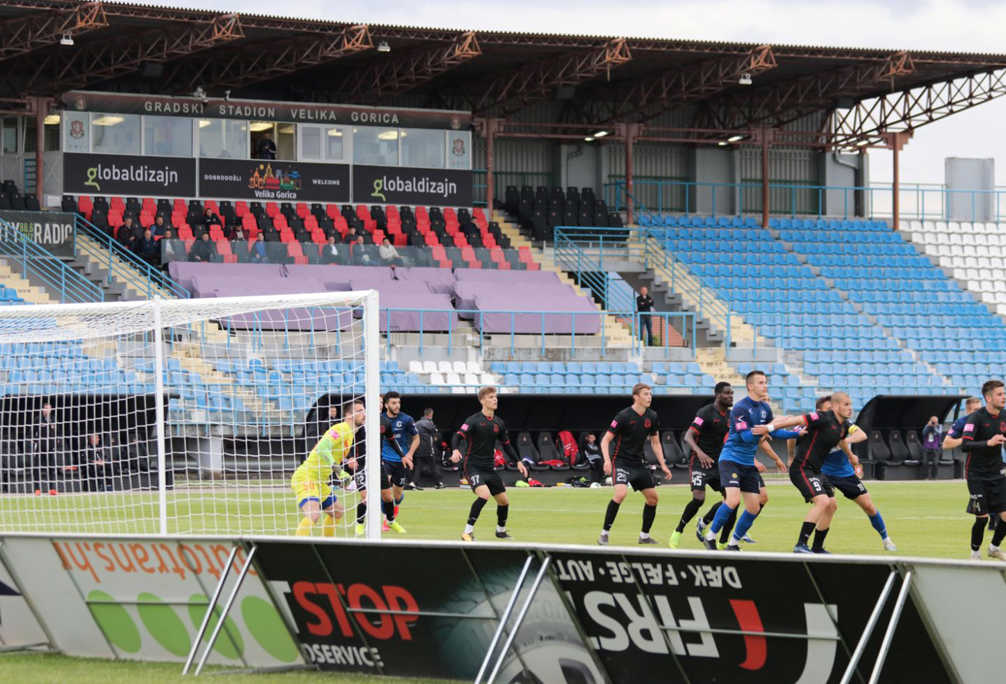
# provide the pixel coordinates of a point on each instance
(475, 480)
(697, 479)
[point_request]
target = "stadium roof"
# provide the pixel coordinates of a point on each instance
(140, 48)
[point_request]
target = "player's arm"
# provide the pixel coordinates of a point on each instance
(460, 439)
(510, 452)
(658, 449)
(766, 446)
(605, 443)
(389, 438)
(689, 440)
(740, 423)
(413, 445)
(853, 458)
(971, 444)
(790, 451)
(953, 438)
(776, 427)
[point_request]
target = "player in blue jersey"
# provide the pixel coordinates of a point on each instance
(842, 469)
(402, 429)
(750, 419)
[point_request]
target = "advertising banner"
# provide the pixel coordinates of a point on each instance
(112, 174)
(51, 229)
(401, 185)
(420, 612)
(18, 626)
(667, 618)
(274, 180)
(145, 600)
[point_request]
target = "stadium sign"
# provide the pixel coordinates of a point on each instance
(401, 185)
(274, 180)
(53, 230)
(111, 174)
(297, 112)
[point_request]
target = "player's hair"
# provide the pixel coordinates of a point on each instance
(752, 374)
(427, 412)
(991, 386)
(486, 391)
(391, 395)
(639, 387)
(971, 401)
(821, 401)
(347, 408)
(720, 386)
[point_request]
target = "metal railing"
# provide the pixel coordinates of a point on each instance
(122, 264)
(917, 201)
(35, 261)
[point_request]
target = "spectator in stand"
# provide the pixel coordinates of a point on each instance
(47, 450)
(203, 249)
(171, 248)
(127, 235)
(591, 451)
(389, 255)
(425, 456)
(330, 252)
(932, 446)
(258, 254)
(160, 226)
(210, 219)
(146, 248)
(644, 307)
(235, 233)
(358, 251)
(266, 148)
(99, 466)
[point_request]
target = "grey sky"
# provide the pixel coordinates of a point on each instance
(950, 25)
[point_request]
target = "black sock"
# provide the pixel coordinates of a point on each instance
(711, 513)
(1000, 532)
(609, 515)
(805, 529)
(728, 527)
(388, 507)
(361, 512)
(501, 513)
(649, 513)
(978, 533)
(992, 523)
(691, 508)
(476, 509)
(399, 500)
(819, 536)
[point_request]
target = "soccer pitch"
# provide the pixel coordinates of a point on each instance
(923, 518)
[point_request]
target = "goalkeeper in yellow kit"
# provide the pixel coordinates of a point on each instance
(310, 481)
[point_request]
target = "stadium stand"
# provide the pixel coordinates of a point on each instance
(539, 210)
(601, 377)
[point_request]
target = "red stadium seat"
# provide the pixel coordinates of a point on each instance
(185, 233)
(216, 234)
(179, 206)
(271, 209)
(212, 205)
(223, 245)
(363, 212)
(422, 213)
(116, 204)
(286, 236)
(379, 237)
(85, 206)
(478, 215)
(311, 222)
(431, 240)
(240, 208)
(391, 211)
(303, 210)
(400, 240)
(449, 214)
(318, 237)
(279, 221)
(334, 213)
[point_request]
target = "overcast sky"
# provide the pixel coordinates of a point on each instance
(951, 25)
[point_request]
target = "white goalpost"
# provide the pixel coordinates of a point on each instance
(183, 417)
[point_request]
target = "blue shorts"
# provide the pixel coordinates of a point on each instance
(744, 477)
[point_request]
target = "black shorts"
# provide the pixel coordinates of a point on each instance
(744, 477)
(851, 486)
(704, 477)
(986, 494)
(811, 483)
(639, 476)
(396, 472)
(360, 478)
(489, 478)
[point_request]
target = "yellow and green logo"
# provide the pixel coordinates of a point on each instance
(92, 175)
(379, 190)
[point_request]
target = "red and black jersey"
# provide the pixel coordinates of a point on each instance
(476, 440)
(824, 432)
(631, 431)
(982, 460)
(711, 428)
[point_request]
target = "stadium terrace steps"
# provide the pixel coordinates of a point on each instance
(25, 290)
(134, 288)
(616, 332)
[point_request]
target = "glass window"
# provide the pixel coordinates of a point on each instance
(76, 132)
(374, 145)
(459, 149)
(115, 133)
(9, 135)
(167, 136)
(422, 147)
(310, 143)
(52, 133)
(223, 139)
(272, 140)
(286, 141)
(28, 131)
(335, 149)
(321, 143)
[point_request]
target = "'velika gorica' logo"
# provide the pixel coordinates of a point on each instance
(264, 177)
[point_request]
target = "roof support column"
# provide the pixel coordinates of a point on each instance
(488, 128)
(629, 132)
(896, 141)
(766, 135)
(41, 107)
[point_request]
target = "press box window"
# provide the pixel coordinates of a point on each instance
(264, 136)
(50, 133)
(10, 136)
(322, 143)
(167, 136)
(115, 133)
(422, 147)
(374, 145)
(222, 138)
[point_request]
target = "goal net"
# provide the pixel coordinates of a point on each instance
(183, 417)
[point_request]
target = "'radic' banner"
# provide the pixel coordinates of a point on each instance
(51, 229)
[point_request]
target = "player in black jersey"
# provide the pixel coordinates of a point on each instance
(704, 439)
(825, 429)
(358, 465)
(984, 434)
(475, 444)
(626, 463)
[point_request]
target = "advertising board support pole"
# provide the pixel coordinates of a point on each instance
(892, 626)
(503, 618)
(871, 624)
(209, 609)
(227, 608)
(520, 618)
(28, 601)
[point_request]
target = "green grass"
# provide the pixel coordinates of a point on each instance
(43, 668)
(924, 518)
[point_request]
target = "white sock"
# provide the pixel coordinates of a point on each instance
(469, 529)
(644, 535)
(993, 547)
(604, 533)
(500, 528)
(710, 535)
